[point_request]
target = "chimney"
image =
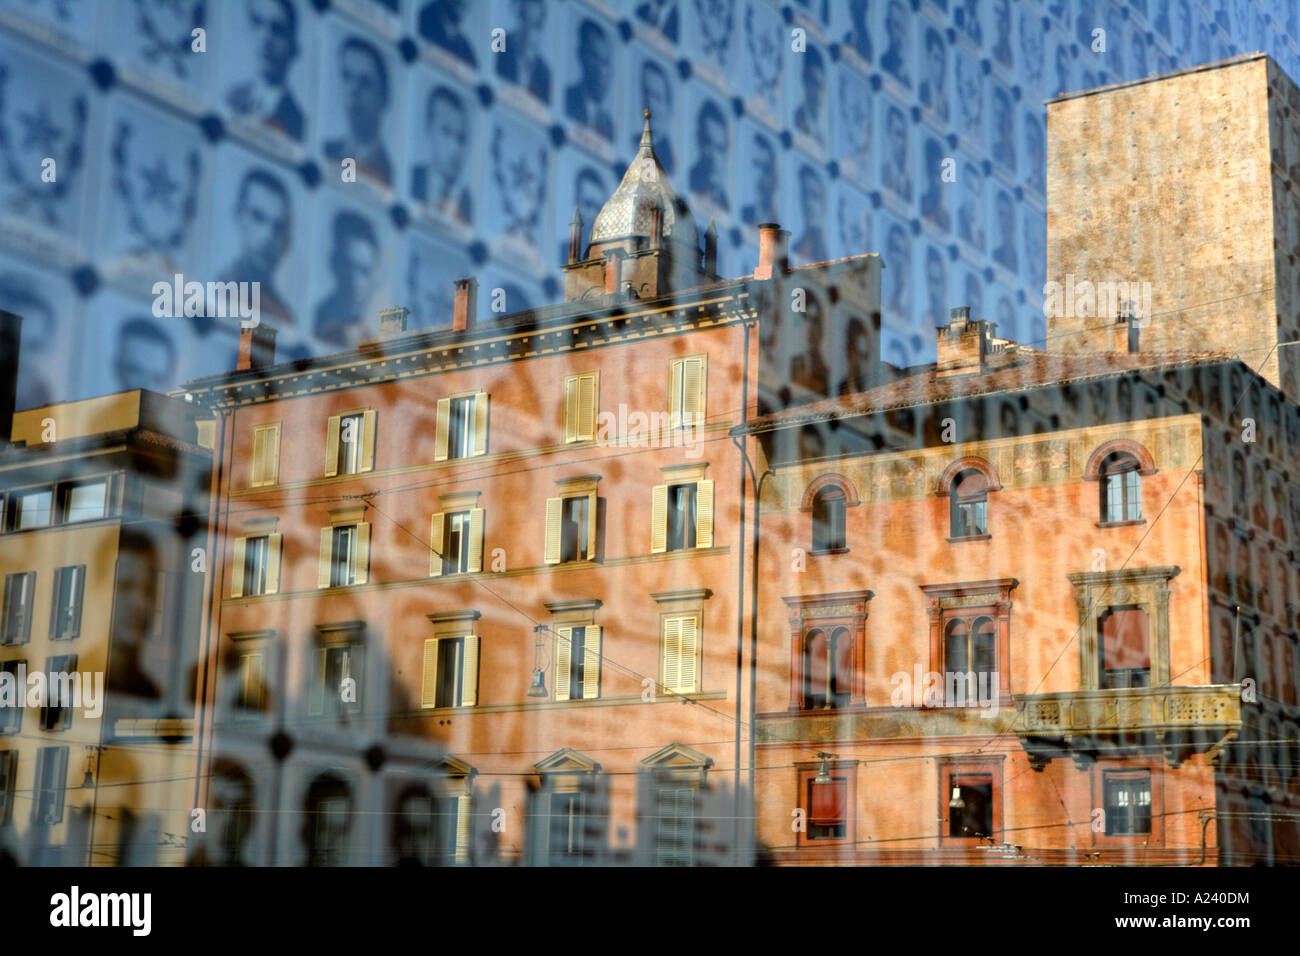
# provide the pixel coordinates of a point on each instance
(711, 250)
(462, 317)
(256, 347)
(773, 250)
(614, 270)
(1127, 334)
(963, 345)
(575, 236)
(393, 320)
(11, 326)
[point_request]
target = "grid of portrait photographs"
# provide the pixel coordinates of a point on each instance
(361, 154)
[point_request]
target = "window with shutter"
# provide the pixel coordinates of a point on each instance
(450, 677)
(686, 397)
(580, 405)
(680, 651)
(20, 594)
(59, 670)
(828, 809)
(252, 681)
(51, 782)
(675, 825)
(69, 584)
(352, 440)
(265, 466)
(1125, 648)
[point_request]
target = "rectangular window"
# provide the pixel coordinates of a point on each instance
(675, 826)
(681, 517)
(20, 593)
(336, 681)
(256, 565)
(571, 522)
(573, 529)
(1127, 802)
(686, 391)
(350, 439)
(30, 509)
(51, 781)
(84, 501)
(8, 778)
(65, 613)
(680, 653)
(344, 555)
(59, 672)
(265, 467)
(828, 809)
(461, 426)
(970, 805)
(1125, 648)
(450, 672)
(255, 550)
(350, 443)
(252, 681)
(565, 834)
(11, 714)
(577, 662)
(456, 542)
(455, 553)
(580, 399)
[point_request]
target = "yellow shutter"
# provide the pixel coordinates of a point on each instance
(326, 548)
(437, 541)
(441, 425)
(462, 829)
(361, 554)
(332, 447)
(563, 654)
(274, 542)
(257, 471)
(475, 540)
(592, 503)
(704, 514)
(689, 649)
(429, 684)
(469, 672)
(368, 441)
(674, 394)
(659, 519)
(570, 411)
(480, 424)
(588, 400)
(693, 390)
(236, 569)
(672, 627)
(249, 680)
(591, 664)
(552, 550)
(271, 469)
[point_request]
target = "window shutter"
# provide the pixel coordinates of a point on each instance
(257, 470)
(552, 549)
(675, 395)
(693, 390)
(672, 652)
(829, 803)
(563, 650)
(271, 466)
(659, 519)
(704, 514)
(480, 424)
(592, 502)
(78, 592)
(429, 685)
(368, 440)
(332, 447)
(442, 425)
(591, 664)
(437, 541)
(462, 828)
(326, 546)
(475, 540)
(55, 604)
(469, 671)
(250, 681)
(570, 408)
(274, 543)
(586, 422)
(689, 648)
(236, 570)
(361, 554)
(316, 698)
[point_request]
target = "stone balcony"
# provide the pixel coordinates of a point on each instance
(1086, 724)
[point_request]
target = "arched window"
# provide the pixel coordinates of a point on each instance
(827, 668)
(1121, 488)
(969, 497)
(828, 519)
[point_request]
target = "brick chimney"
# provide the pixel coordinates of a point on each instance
(256, 347)
(773, 250)
(614, 270)
(463, 313)
(10, 334)
(393, 320)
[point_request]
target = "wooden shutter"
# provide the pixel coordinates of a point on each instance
(570, 411)
(257, 470)
(250, 680)
(367, 441)
(692, 390)
(591, 664)
(437, 541)
(469, 671)
(829, 803)
(672, 652)
(361, 554)
(274, 543)
(326, 557)
(675, 394)
(480, 424)
(704, 514)
(554, 506)
(588, 395)
(236, 570)
(659, 519)
(592, 502)
(271, 467)
(689, 649)
(316, 696)
(563, 655)
(462, 828)
(429, 684)
(78, 572)
(475, 541)
(332, 447)
(442, 424)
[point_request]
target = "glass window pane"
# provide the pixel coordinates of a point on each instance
(86, 502)
(33, 509)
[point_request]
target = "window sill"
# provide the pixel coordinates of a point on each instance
(817, 551)
(1131, 522)
(953, 539)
